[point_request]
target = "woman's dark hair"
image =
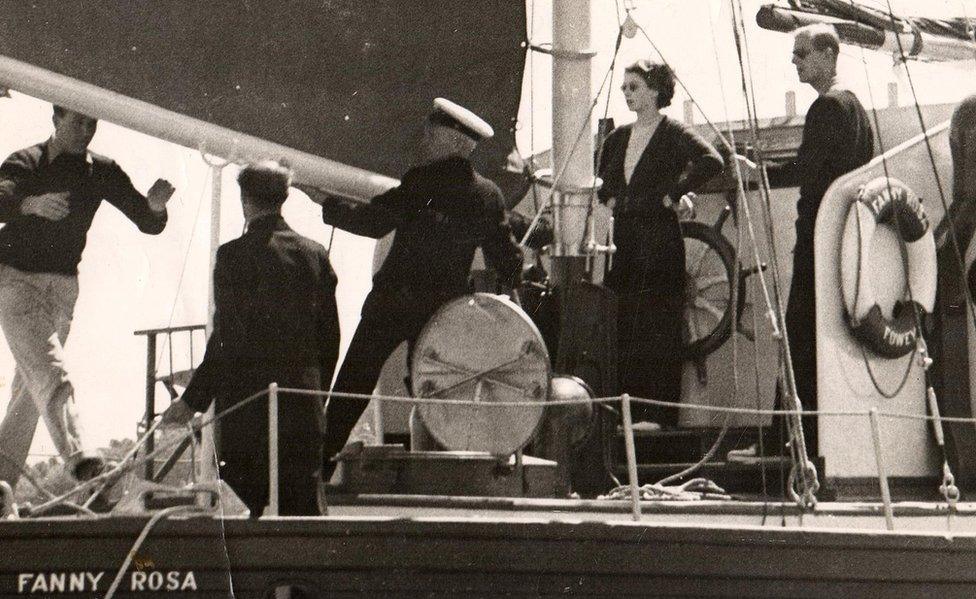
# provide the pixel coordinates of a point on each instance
(657, 76)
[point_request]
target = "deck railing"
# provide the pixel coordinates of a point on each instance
(635, 491)
(274, 393)
(873, 416)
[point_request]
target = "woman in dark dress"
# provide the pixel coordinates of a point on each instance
(650, 170)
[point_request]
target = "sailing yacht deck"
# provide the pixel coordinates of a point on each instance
(399, 546)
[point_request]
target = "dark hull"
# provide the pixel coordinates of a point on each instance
(529, 549)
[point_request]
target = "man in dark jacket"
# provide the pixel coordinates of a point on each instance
(275, 321)
(837, 139)
(442, 212)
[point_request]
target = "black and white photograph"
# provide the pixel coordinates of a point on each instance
(487, 298)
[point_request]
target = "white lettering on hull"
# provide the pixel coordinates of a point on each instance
(163, 581)
(46, 583)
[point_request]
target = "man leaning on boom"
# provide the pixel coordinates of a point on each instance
(441, 212)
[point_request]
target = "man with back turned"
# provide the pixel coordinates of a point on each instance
(275, 322)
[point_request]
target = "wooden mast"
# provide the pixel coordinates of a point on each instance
(572, 139)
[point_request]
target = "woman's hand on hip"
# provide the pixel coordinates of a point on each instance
(685, 207)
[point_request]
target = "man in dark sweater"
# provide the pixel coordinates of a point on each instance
(962, 145)
(442, 211)
(837, 139)
(49, 194)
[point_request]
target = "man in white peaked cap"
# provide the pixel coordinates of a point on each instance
(442, 211)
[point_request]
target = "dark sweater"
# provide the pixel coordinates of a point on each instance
(962, 144)
(676, 160)
(442, 212)
(837, 138)
(34, 244)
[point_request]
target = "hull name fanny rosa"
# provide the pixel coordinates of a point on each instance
(81, 582)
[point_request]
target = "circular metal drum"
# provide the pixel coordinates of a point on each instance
(481, 348)
(576, 417)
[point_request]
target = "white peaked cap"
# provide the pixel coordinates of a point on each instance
(449, 114)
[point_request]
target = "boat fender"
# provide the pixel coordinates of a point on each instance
(880, 202)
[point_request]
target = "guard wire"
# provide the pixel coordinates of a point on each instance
(798, 442)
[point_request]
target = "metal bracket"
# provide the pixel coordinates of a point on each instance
(584, 54)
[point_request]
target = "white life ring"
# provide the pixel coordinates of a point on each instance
(879, 202)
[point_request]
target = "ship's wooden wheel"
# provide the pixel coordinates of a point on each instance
(709, 306)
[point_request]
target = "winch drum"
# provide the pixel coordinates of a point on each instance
(482, 349)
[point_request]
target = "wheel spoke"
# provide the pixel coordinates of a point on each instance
(693, 326)
(706, 306)
(704, 283)
(701, 261)
(699, 257)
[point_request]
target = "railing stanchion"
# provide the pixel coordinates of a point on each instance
(379, 433)
(272, 450)
(150, 399)
(882, 472)
(631, 456)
